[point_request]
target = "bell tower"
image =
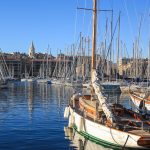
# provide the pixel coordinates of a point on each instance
(32, 50)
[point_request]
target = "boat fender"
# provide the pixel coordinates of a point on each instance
(71, 111)
(71, 121)
(80, 127)
(66, 112)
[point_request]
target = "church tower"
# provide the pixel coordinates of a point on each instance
(32, 51)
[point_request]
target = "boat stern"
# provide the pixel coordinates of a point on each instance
(144, 142)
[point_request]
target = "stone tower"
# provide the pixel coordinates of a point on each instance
(32, 51)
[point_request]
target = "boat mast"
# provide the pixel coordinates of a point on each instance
(118, 48)
(94, 34)
(94, 31)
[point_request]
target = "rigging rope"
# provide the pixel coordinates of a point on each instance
(125, 142)
(109, 48)
(144, 18)
(83, 22)
(89, 27)
(131, 29)
(135, 10)
(75, 27)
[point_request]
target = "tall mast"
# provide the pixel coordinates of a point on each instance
(118, 46)
(94, 33)
(148, 77)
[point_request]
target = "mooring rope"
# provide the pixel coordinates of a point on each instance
(125, 142)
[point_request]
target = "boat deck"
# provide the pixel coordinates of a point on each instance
(125, 121)
(90, 103)
(140, 132)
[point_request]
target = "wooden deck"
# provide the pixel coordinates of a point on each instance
(140, 132)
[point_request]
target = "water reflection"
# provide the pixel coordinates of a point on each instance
(34, 97)
(30, 99)
(31, 117)
(4, 103)
(81, 143)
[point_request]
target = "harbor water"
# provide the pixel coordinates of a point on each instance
(31, 118)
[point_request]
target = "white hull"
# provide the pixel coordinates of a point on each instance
(43, 80)
(57, 82)
(105, 134)
(80, 142)
(30, 80)
(137, 102)
(134, 88)
(23, 80)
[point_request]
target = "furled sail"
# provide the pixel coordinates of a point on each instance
(101, 98)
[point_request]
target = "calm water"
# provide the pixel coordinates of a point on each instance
(31, 118)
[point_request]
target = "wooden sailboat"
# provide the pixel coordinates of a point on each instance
(114, 125)
(141, 100)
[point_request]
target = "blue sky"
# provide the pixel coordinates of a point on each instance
(58, 23)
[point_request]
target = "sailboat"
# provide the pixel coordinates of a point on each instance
(141, 97)
(112, 125)
(141, 100)
(26, 75)
(44, 71)
(43, 78)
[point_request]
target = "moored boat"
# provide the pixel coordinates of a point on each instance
(141, 100)
(23, 79)
(114, 125)
(111, 125)
(31, 80)
(48, 81)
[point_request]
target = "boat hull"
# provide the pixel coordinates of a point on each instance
(137, 100)
(23, 80)
(31, 80)
(105, 135)
(44, 81)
